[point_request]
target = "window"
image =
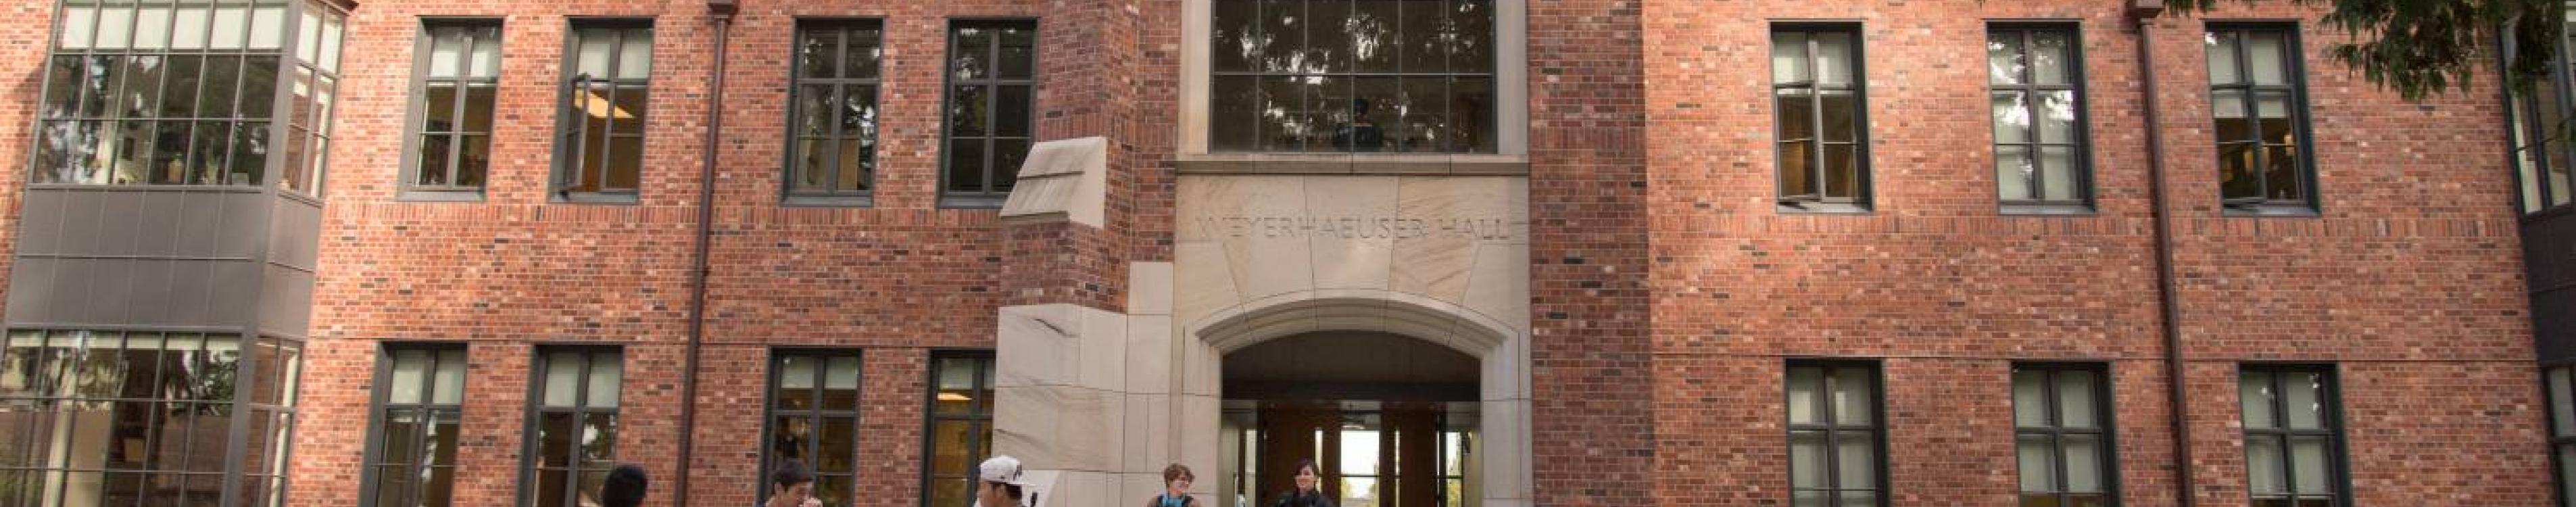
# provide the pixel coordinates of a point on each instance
(2061, 421)
(600, 154)
(116, 418)
(162, 94)
(2035, 78)
(572, 415)
(1402, 76)
(315, 88)
(1835, 451)
(834, 114)
(961, 426)
(2293, 436)
(2561, 383)
(419, 401)
(459, 69)
(1823, 138)
(2256, 97)
(814, 419)
(2539, 112)
(992, 83)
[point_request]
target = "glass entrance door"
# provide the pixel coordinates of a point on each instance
(1366, 453)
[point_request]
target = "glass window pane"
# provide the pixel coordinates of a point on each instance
(1008, 156)
(2012, 117)
(2060, 179)
(2005, 59)
(332, 26)
(433, 156)
(1372, 27)
(635, 57)
(1359, 491)
(2562, 401)
(1470, 35)
(402, 431)
(1233, 47)
(563, 379)
(229, 26)
(2084, 459)
(2051, 58)
(1841, 115)
(1018, 52)
(836, 447)
(447, 52)
(259, 87)
(2264, 465)
(1797, 115)
(2300, 397)
(77, 23)
(188, 28)
(151, 28)
(970, 54)
(1011, 114)
(2030, 395)
(2056, 117)
(115, 28)
(2309, 461)
(1807, 460)
(2013, 172)
(607, 372)
(2266, 55)
(1236, 111)
(1856, 457)
(598, 439)
(1834, 57)
(1800, 498)
(948, 451)
(818, 53)
(967, 110)
(555, 436)
(2220, 52)
(2254, 393)
(966, 165)
(1789, 57)
(308, 37)
(411, 369)
(2038, 463)
(2075, 404)
(1857, 498)
(591, 51)
(841, 384)
(1806, 387)
(1854, 396)
(865, 50)
(2567, 474)
(267, 27)
(1284, 29)
(448, 382)
(442, 437)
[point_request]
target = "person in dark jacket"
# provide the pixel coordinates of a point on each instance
(1309, 492)
(624, 487)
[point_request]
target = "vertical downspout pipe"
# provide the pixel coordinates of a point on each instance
(722, 11)
(2167, 296)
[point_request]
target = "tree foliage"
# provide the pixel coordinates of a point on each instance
(2420, 48)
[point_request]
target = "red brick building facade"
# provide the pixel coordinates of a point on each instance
(1669, 292)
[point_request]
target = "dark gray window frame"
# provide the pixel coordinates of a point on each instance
(316, 131)
(865, 196)
(378, 406)
(1861, 202)
(416, 117)
(2331, 418)
(1877, 428)
(2296, 73)
(987, 197)
(770, 411)
(570, 131)
(243, 407)
(532, 466)
(275, 129)
(2560, 445)
(931, 418)
(2082, 144)
(1488, 132)
(2522, 100)
(2105, 430)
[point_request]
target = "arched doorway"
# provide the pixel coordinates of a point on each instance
(1388, 419)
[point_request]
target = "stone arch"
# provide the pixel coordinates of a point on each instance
(1501, 350)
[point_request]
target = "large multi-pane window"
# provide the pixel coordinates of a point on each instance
(420, 398)
(2034, 76)
(572, 425)
(961, 426)
(163, 93)
(599, 153)
(459, 68)
(992, 97)
(2257, 99)
(2540, 134)
(1835, 446)
(1406, 76)
(2561, 384)
(313, 90)
(814, 420)
(143, 418)
(2293, 436)
(1823, 131)
(834, 114)
(2062, 428)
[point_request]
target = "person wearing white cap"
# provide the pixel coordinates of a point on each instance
(1002, 484)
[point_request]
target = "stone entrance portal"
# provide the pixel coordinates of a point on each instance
(1098, 402)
